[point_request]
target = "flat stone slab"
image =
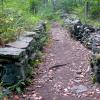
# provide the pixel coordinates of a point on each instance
(79, 89)
(11, 52)
(18, 44)
(26, 39)
(29, 34)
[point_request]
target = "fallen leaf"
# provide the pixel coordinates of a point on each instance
(66, 94)
(16, 97)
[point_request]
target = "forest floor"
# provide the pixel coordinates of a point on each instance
(64, 73)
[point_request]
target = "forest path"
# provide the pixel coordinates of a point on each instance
(64, 73)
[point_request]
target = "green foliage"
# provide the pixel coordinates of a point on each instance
(15, 16)
(34, 5)
(10, 24)
(46, 12)
(95, 12)
(93, 78)
(79, 11)
(66, 5)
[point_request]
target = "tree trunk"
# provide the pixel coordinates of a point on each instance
(46, 2)
(86, 10)
(54, 4)
(2, 5)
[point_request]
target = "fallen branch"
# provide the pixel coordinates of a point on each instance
(57, 66)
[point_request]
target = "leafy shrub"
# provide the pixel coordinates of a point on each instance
(66, 5)
(10, 24)
(46, 12)
(14, 17)
(34, 5)
(95, 12)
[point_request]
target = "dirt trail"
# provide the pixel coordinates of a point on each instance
(64, 74)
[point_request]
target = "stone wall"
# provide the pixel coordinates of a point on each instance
(89, 36)
(16, 57)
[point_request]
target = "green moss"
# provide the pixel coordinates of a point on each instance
(93, 78)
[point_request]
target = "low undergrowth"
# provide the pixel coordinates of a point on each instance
(86, 20)
(15, 17)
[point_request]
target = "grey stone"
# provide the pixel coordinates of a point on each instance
(29, 34)
(77, 80)
(76, 21)
(18, 44)
(41, 27)
(96, 44)
(11, 53)
(31, 46)
(6, 91)
(12, 74)
(79, 89)
(64, 15)
(26, 39)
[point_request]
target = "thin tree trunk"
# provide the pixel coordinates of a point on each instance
(54, 4)
(99, 9)
(86, 10)
(2, 5)
(46, 2)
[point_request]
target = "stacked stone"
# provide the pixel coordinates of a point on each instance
(82, 32)
(89, 37)
(16, 56)
(95, 59)
(41, 36)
